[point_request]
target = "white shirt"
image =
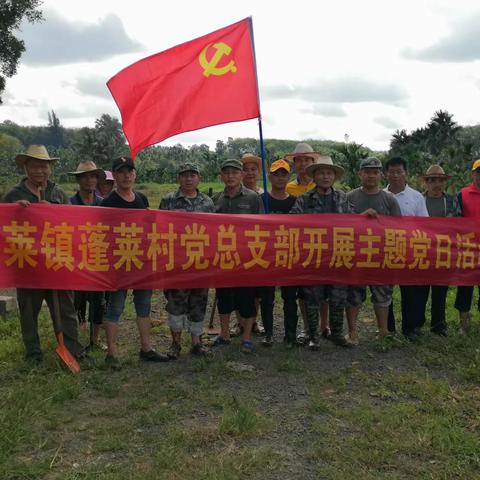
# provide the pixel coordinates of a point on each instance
(412, 203)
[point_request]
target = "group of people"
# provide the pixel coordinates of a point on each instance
(311, 191)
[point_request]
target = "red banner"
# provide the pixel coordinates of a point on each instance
(93, 248)
(207, 81)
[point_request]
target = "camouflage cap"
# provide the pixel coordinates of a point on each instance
(232, 162)
(370, 162)
(188, 167)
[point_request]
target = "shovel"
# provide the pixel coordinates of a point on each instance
(62, 351)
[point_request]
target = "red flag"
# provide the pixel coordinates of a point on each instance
(207, 81)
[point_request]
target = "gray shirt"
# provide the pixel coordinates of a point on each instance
(436, 206)
(246, 201)
(384, 203)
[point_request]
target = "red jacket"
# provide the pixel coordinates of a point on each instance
(470, 201)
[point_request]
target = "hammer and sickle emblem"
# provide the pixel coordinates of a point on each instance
(210, 67)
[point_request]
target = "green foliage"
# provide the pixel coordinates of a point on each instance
(12, 12)
(441, 141)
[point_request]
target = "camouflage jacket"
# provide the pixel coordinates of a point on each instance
(312, 202)
(452, 205)
(177, 201)
(53, 194)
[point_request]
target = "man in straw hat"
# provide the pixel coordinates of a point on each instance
(37, 188)
(325, 199)
(186, 307)
(88, 176)
(469, 200)
(370, 199)
(252, 167)
(439, 204)
(302, 157)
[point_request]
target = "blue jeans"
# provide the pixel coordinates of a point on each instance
(142, 300)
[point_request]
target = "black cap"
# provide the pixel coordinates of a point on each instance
(120, 162)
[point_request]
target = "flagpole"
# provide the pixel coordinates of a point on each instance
(262, 145)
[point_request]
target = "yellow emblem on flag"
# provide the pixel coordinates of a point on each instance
(211, 67)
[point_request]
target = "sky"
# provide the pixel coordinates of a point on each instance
(326, 69)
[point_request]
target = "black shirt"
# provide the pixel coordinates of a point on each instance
(116, 201)
(280, 206)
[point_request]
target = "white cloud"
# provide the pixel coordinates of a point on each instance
(462, 44)
(59, 41)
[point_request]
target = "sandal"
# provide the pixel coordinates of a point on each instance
(247, 346)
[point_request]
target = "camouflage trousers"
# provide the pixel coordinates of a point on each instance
(381, 295)
(336, 297)
(186, 309)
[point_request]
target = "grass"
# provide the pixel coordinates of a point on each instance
(155, 191)
(409, 412)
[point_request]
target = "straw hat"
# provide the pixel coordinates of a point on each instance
(251, 158)
(87, 166)
(324, 161)
(303, 150)
(435, 171)
(34, 151)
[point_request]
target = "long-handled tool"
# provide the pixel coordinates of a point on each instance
(211, 329)
(62, 351)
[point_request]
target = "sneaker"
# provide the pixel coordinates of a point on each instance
(113, 363)
(153, 356)
(220, 341)
(257, 329)
(303, 338)
(342, 342)
(267, 341)
(174, 351)
(313, 343)
(200, 350)
(247, 346)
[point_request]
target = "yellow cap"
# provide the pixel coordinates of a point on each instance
(476, 165)
(277, 165)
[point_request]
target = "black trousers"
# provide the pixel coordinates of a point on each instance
(438, 322)
(463, 301)
(413, 302)
(290, 315)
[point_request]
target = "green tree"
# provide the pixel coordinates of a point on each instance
(57, 132)
(103, 143)
(12, 12)
(349, 156)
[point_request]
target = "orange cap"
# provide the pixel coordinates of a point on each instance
(278, 164)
